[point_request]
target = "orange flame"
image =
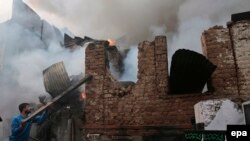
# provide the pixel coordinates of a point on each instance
(111, 42)
(83, 96)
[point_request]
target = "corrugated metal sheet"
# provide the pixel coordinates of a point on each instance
(56, 79)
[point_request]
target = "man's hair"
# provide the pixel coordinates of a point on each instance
(22, 106)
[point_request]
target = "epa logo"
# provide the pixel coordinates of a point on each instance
(238, 132)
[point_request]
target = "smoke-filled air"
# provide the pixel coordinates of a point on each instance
(24, 54)
(131, 21)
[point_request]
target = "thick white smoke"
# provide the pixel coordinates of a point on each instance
(182, 21)
(130, 65)
(110, 18)
(195, 16)
(23, 57)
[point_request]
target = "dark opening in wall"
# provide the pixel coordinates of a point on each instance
(189, 72)
(115, 59)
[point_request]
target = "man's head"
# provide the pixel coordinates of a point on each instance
(24, 108)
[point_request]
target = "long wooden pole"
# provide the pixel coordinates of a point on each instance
(68, 90)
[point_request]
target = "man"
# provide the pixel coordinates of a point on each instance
(20, 130)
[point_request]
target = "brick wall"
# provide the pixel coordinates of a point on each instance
(229, 49)
(216, 46)
(147, 106)
(240, 32)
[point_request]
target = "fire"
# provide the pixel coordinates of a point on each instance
(83, 96)
(111, 42)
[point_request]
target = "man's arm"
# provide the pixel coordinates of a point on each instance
(16, 127)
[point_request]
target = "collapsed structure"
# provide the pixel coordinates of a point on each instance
(149, 109)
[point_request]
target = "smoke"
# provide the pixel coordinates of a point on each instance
(130, 65)
(23, 57)
(196, 16)
(110, 18)
(183, 21)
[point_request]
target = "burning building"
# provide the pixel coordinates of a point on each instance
(160, 105)
(149, 109)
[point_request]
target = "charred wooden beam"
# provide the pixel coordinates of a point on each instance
(78, 41)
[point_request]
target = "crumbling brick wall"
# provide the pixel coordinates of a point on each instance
(217, 48)
(240, 34)
(148, 103)
(229, 49)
